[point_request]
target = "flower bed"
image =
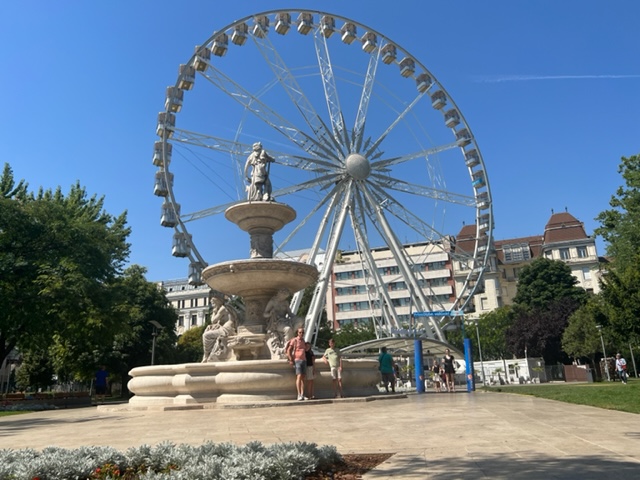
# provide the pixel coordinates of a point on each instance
(285, 461)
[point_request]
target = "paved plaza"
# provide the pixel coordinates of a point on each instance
(433, 436)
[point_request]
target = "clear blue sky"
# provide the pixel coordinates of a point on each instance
(550, 89)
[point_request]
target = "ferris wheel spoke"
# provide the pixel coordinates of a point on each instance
(288, 81)
(331, 195)
(364, 250)
(393, 125)
(238, 148)
(412, 156)
(363, 106)
(321, 182)
(424, 191)
(268, 115)
(395, 208)
(331, 92)
(210, 142)
(208, 212)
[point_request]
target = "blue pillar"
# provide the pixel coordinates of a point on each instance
(417, 359)
(468, 360)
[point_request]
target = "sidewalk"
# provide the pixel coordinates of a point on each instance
(434, 436)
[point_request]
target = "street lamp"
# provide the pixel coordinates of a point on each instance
(606, 364)
(633, 360)
(156, 328)
(484, 381)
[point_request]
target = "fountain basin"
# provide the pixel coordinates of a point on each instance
(259, 276)
(249, 381)
(263, 216)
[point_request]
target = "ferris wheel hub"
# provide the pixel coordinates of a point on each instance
(358, 166)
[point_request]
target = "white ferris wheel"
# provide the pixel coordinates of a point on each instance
(369, 148)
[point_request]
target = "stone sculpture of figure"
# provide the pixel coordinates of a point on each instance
(259, 187)
(281, 322)
(215, 335)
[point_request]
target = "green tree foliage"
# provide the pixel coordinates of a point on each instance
(492, 328)
(8, 187)
(621, 293)
(544, 281)
(59, 255)
(620, 228)
(547, 296)
(539, 331)
(136, 302)
(581, 338)
(35, 372)
(352, 335)
(190, 347)
(620, 225)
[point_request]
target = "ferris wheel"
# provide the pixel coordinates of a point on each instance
(369, 148)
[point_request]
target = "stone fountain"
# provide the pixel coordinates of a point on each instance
(249, 366)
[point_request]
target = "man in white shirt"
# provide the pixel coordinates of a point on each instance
(621, 368)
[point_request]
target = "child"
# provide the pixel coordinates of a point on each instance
(311, 358)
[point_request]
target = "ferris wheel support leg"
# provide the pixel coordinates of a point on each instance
(313, 315)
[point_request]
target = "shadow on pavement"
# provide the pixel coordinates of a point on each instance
(507, 467)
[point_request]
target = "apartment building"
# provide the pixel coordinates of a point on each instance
(353, 299)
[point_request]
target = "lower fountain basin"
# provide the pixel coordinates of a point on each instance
(250, 381)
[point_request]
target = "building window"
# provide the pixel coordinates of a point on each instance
(586, 273)
(518, 252)
(436, 265)
(181, 321)
(564, 254)
(484, 303)
(582, 252)
(194, 320)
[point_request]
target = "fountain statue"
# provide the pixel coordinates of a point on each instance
(243, 357)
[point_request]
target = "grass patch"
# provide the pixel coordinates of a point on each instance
(609, 395)
(6, 414)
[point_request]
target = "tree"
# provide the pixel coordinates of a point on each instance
(58, 256)
(35, 372)
(544, 281)
(581, 338)
(620, 225)
(620, 228)
(621, 294)
(539, 331)
(352, 335)
(136, 302)
(492, 327)
(190, 347)
(8, 188)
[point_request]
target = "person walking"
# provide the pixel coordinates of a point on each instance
(102, 383)
(311, 374)
(385, 361)
(449, 370)
(297, 357)
(333, 357)
(621, 368)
